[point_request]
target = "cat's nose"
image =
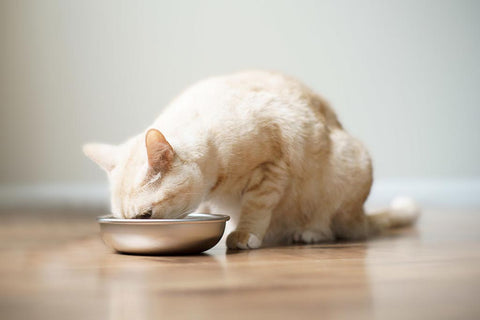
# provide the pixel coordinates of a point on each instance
(144, 215)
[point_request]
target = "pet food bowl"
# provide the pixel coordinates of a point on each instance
(193, 234)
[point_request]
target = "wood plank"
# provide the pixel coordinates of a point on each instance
(54, 266)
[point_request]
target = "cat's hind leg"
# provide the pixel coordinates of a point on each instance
(317, 230)
(260, 196)
(351, 224)
(355, 224)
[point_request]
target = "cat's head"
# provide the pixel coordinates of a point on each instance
(147, 177)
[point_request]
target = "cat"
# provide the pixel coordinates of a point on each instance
(260, 146)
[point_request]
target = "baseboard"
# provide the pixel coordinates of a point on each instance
(428, 192)
(452, 193)
(54, 195)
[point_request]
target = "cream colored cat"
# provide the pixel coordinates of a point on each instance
(259, 146)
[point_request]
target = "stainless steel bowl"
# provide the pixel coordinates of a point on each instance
(194, 234)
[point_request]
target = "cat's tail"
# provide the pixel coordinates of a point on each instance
(403, 212)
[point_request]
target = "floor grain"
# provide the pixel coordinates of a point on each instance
(54, 266)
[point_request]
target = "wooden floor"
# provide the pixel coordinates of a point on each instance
(54, 266)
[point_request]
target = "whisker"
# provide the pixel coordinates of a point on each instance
(185, 212)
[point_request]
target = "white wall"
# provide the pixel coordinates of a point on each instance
(403, 75)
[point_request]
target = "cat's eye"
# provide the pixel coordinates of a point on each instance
(146, 215)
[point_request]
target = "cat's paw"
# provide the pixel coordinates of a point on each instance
(243, 240)
(309, 237)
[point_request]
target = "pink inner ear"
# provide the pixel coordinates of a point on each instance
(159, 151)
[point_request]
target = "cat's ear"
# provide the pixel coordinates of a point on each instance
(104, 155)
(159, 152)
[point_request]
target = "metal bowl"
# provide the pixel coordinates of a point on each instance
(193, 234)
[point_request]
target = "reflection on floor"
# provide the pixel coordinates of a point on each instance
(54, 266)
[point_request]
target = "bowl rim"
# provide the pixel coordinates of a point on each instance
(195, 217)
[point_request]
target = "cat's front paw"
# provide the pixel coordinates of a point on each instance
(243, 240)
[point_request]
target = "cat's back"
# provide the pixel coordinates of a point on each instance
(254, 95)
